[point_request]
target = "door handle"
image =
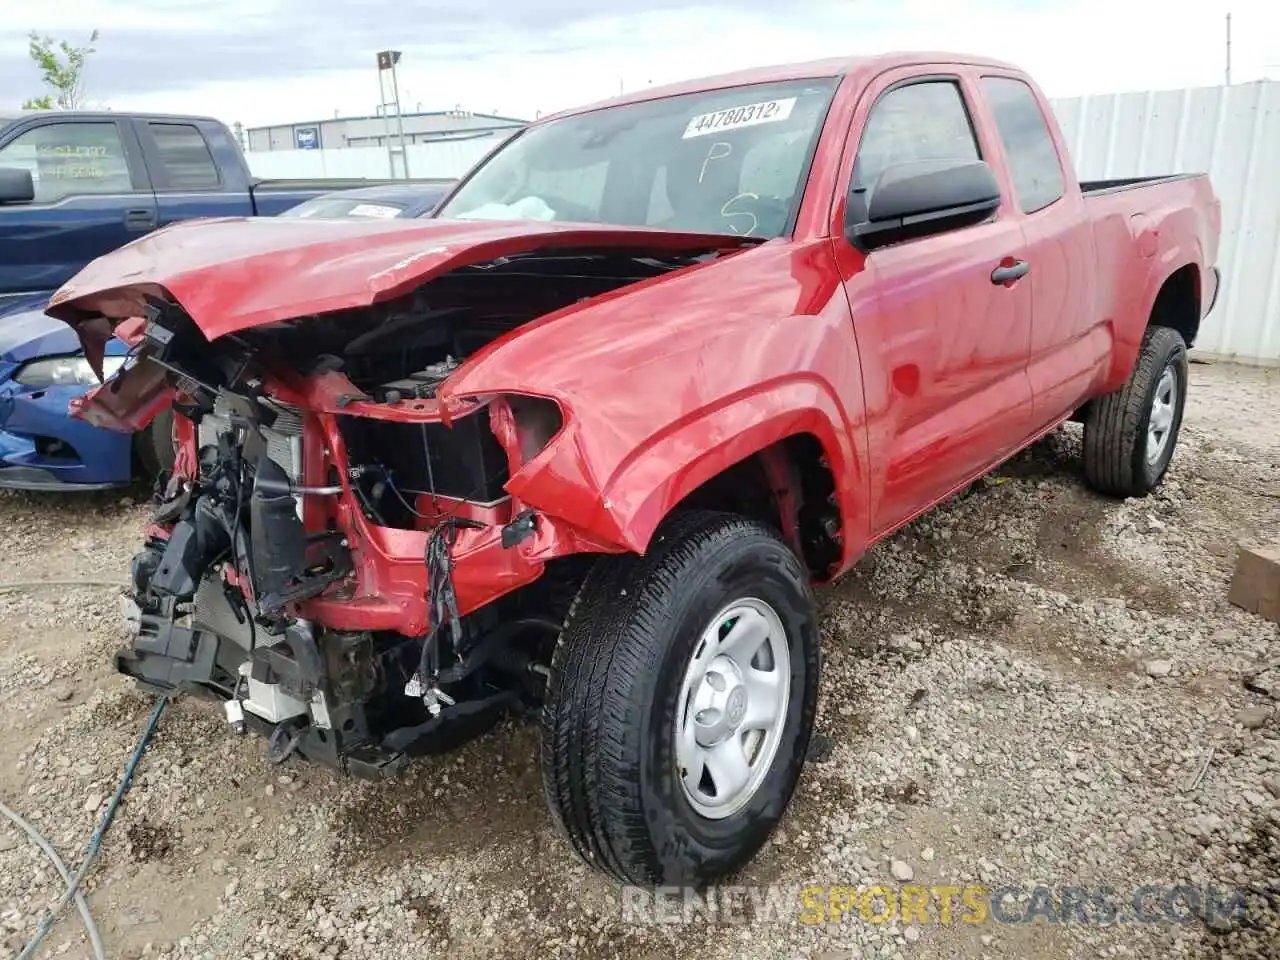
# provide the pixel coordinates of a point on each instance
(140, 219)
(1007, 273)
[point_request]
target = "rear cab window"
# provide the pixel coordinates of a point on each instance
(71, 159)
(185, 160)
(732, 161)
(1033, 160)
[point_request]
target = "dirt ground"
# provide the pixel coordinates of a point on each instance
(1032, 685)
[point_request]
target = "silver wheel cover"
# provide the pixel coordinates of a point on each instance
(732, 708)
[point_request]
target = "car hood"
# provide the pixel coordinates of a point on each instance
(30, 333)
(235, 274)
(12, 303)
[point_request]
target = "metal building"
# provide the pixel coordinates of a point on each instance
(341, 133)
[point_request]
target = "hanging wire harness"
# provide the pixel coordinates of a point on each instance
(442, 609)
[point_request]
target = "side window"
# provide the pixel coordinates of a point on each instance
(188, 165)
(922, 121)
(1028, 144)
(70, 159)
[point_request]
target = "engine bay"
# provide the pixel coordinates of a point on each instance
(407, 347)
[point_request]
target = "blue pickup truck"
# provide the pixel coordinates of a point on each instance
(73, 186)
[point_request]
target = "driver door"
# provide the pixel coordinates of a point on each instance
(944, 346)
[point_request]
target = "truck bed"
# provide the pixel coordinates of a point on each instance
(1135, 217)
(1098, 187)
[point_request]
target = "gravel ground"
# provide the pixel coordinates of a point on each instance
(1032, 685)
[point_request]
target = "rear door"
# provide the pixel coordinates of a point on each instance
(191, 171)
(943, 342)
(1070, 344)
(92, 194)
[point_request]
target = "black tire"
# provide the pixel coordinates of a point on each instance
(1116, 435)
(608, 747)
(155, 447)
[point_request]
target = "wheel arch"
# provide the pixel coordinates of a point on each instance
(778, 455)
(1176, 303)
(789, 486)
(1172, 299)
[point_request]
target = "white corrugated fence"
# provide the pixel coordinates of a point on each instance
(1232, 132)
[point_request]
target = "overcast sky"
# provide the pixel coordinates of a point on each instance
(266, 61)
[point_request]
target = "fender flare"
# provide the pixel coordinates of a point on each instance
(674, 462)
(1126, 346)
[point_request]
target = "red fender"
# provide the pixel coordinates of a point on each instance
(627, 507)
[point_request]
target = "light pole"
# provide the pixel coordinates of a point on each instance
(1228, 49)
(387, 60)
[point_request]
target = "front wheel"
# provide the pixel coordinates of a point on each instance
(681, 700)
(1129, 435)
(155, 447)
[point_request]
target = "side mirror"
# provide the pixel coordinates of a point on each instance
(16, 185)
(926, 197)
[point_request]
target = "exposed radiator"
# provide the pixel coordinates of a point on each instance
(283, 438)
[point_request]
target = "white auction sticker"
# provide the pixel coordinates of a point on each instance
(750, 115)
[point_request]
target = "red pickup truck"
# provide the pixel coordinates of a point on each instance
(580, 446)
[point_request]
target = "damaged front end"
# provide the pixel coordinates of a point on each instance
(335, 555)
(250, 586)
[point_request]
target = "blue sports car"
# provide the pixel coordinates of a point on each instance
(41, 447)
(42, 369)
(405, 201)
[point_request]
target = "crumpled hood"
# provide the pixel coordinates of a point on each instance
(234, 274)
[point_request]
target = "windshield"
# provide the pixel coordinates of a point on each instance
(726, 161)
(334, 207)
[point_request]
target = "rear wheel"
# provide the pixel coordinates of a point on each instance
(1130, 435)
(681, 701)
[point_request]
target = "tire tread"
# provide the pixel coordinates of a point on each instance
(589, 771)
(1111, 431)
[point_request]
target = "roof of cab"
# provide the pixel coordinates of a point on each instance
(6, 116)
(781, 73)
